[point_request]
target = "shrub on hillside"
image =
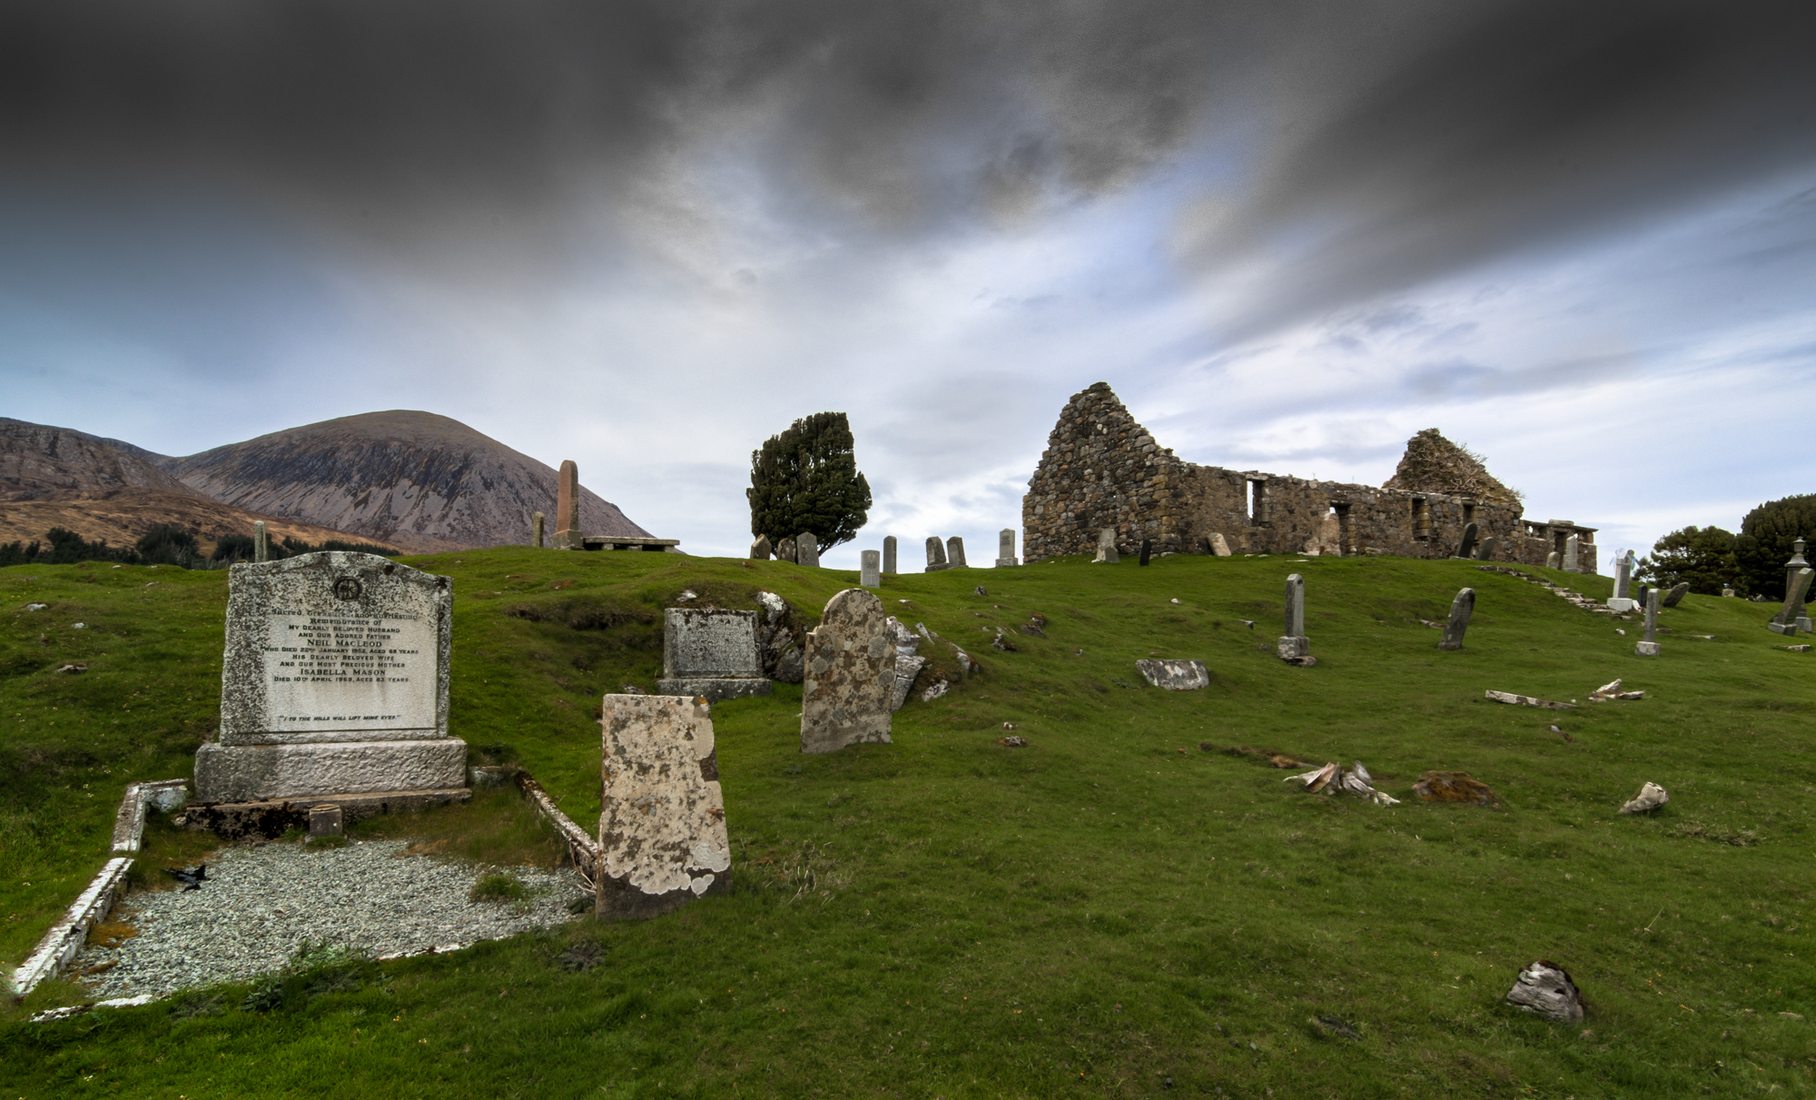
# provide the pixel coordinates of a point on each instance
(1765, 543)
(1702, 557)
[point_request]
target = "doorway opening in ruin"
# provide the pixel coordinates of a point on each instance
(1257, 500)
(1345, 541)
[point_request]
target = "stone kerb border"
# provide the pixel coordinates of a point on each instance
(582, 848)
(129, 823)
(64, 939)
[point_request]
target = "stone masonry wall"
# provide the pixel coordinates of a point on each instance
(1103, 469)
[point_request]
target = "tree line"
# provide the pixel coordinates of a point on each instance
(165, 544)
(1751, 562)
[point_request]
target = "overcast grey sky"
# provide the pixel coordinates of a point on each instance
(1578, 238)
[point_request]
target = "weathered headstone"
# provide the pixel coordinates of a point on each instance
(807, 550)
(1106, 546)
(334, 681)
(1552, 560)
(1220, 546)
(1461, 608)
(955, 552)
(662, 837)
(1466, 547)
(850, 675)
(1572, 553)
(936, 554)
(711, 653)
(1676, 595)
(785, 549)
(1174, 674)
(1294, 646)
(1147, 551)
(538, 530)
(1488, 548)
(778, 642)
(1005, 548)
(261, 541)
(568, 535)
(889, 556)
(1623, 583)
(1648, 647)
(1794, 616)
(870, 573)
(759, 548)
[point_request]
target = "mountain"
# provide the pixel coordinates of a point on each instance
(105, 489)
(413, 479)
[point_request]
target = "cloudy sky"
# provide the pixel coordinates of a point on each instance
(1579, 238)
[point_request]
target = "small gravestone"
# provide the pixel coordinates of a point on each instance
(261, 541)
(662, 838)
(1551, 560)
(1220, 546)
(1147, 551)
(850, 675)
(1676, 595)
(955, 552)
(1793, 616)
(1174, 674)
(1466, 548)
(1649, 646)
(759, 548)
(334, 681)
(568, 535)
(1640, 594)
(936, 554)
(778, 642)
(1460, 609)
(711, 653)
(1623, 581)
(807, 550)
(1488, 548)
(1294, 647)
(1106, 547)
(889, 556)
(870, 573)
(538, 530)
(785, 549)
(1572, 553)
(1005, 548)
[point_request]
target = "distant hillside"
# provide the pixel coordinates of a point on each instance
(414, 479)
(105, 489)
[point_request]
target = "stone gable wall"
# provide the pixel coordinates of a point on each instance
(1103, 469)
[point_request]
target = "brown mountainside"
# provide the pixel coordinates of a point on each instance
(413, 479)
(39, 462)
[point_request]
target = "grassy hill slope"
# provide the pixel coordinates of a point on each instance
(1121, 907)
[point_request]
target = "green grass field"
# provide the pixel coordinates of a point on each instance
(1122, 907)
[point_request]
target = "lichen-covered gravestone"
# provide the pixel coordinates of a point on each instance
(850, 675)
(807, 550)
(936, 554)
(1294, 647)
(1461, 608)
(870, 569)
(662, 838)
(334, 681)
(955, 552)
(711, 653)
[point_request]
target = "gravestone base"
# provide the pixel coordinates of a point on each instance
(1645, 649)
(1622, 604)
(1782, 628)
(714, 688)
(1294, 647)
(257, 773)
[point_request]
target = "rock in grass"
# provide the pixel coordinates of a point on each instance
(1175, 674)
(1457, 787)
(1650, 797)
(1545, 989)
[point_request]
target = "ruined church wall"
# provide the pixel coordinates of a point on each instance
(1100, 469)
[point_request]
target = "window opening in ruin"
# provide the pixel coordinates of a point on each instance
(1345, 545)
(1421, 519)
(1469, 512)
(1257, 500)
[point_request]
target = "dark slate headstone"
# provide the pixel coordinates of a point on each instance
(1147, 550)
(1466, 548)
(1676, 595)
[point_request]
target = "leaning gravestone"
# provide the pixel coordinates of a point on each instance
(1294, 646)
(1676, 595)
(1466, 548)
(759, 548)
(850, 675)
(711, 653)
(870, 573)
(334, 681)
(662, 838)
(955, 553)
(1106, 547)
(1460, 609)
(807, 550)
(1220, 546)
(1793, 616)
(1005, 548)
(936, 554)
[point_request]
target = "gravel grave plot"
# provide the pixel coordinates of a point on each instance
(262, 903)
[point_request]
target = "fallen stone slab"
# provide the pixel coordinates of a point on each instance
(1612, 690)
(1527, 700)
(1355, 780)
(1174, 674)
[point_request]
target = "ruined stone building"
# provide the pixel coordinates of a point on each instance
(1102, 469)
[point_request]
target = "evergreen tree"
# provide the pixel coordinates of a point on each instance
(1701, 556)
(1765, 543)
(168, 544)
(807, 479)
